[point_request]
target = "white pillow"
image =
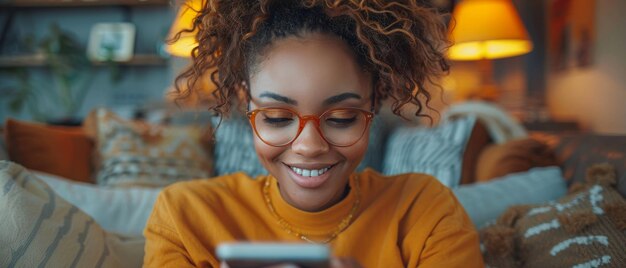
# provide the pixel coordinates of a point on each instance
(40, 229)
(120, 210)
(484, 202)
(437, 151)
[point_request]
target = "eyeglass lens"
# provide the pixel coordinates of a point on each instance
(340, 127)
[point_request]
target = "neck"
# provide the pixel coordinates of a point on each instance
(340, 195)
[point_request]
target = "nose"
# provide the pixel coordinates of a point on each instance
(310, 142)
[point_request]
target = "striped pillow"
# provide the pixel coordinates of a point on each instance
(376, 145)
(234, 149)
(40, 229)
(436, 151)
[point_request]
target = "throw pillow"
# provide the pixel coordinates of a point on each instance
(234, 147)
(517, 155)
(436, 151)
(62, 151)
(586, 228)
(376, 145)
(140, 154)
(485, 201)
(122, 210)
(477, 141)
(40, 229)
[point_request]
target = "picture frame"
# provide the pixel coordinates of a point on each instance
(111, 42)
(571, 34)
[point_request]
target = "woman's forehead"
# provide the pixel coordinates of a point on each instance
(309, 69)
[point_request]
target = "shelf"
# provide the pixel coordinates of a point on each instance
(140, 60)
(80, 3)
(22, 61)
(38, 60)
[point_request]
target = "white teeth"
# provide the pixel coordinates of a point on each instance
(310, 172)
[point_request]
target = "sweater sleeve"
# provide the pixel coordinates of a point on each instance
(164, 247)
(453, 240)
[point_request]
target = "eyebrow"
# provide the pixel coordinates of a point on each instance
(332, 100)
(341, 97)
(278, 98)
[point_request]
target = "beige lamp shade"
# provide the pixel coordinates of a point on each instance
(184, 20)
(487, 29)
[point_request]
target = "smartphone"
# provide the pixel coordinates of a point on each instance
(262, 254)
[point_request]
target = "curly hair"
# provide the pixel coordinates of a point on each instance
(401, 44)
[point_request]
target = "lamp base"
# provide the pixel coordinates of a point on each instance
(486, 92)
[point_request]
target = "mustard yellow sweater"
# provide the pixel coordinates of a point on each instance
(407, 220)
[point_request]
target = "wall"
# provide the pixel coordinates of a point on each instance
(596, 96)
(138, 85)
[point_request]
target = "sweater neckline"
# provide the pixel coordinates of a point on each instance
(313, 223)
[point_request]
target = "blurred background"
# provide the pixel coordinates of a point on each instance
(59, 59)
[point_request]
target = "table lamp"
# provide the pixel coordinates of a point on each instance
(182, 47)
(184, 20)
(483, 30)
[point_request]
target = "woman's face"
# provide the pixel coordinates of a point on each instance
(310, 74)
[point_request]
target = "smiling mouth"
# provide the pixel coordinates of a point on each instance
(310, 172)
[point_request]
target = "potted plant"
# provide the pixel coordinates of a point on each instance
(56, 100)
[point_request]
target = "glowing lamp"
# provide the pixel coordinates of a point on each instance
(184, 20)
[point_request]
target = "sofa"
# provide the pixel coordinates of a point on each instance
(103, 178)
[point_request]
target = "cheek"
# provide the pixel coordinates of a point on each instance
(353, 154)
(266, 153)
(356, 152)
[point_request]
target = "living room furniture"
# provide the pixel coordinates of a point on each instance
(514, 175)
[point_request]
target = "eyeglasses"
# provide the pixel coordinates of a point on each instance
(341, 127)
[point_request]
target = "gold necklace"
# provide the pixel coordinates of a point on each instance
(291, 230)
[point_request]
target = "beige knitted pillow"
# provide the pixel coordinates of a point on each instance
(586, 228)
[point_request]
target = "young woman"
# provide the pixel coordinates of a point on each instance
(312, 74)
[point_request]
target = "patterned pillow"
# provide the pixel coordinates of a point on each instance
(436, 151)
(134, 153)
(234, 147)
(586, 228)
(40, 229)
